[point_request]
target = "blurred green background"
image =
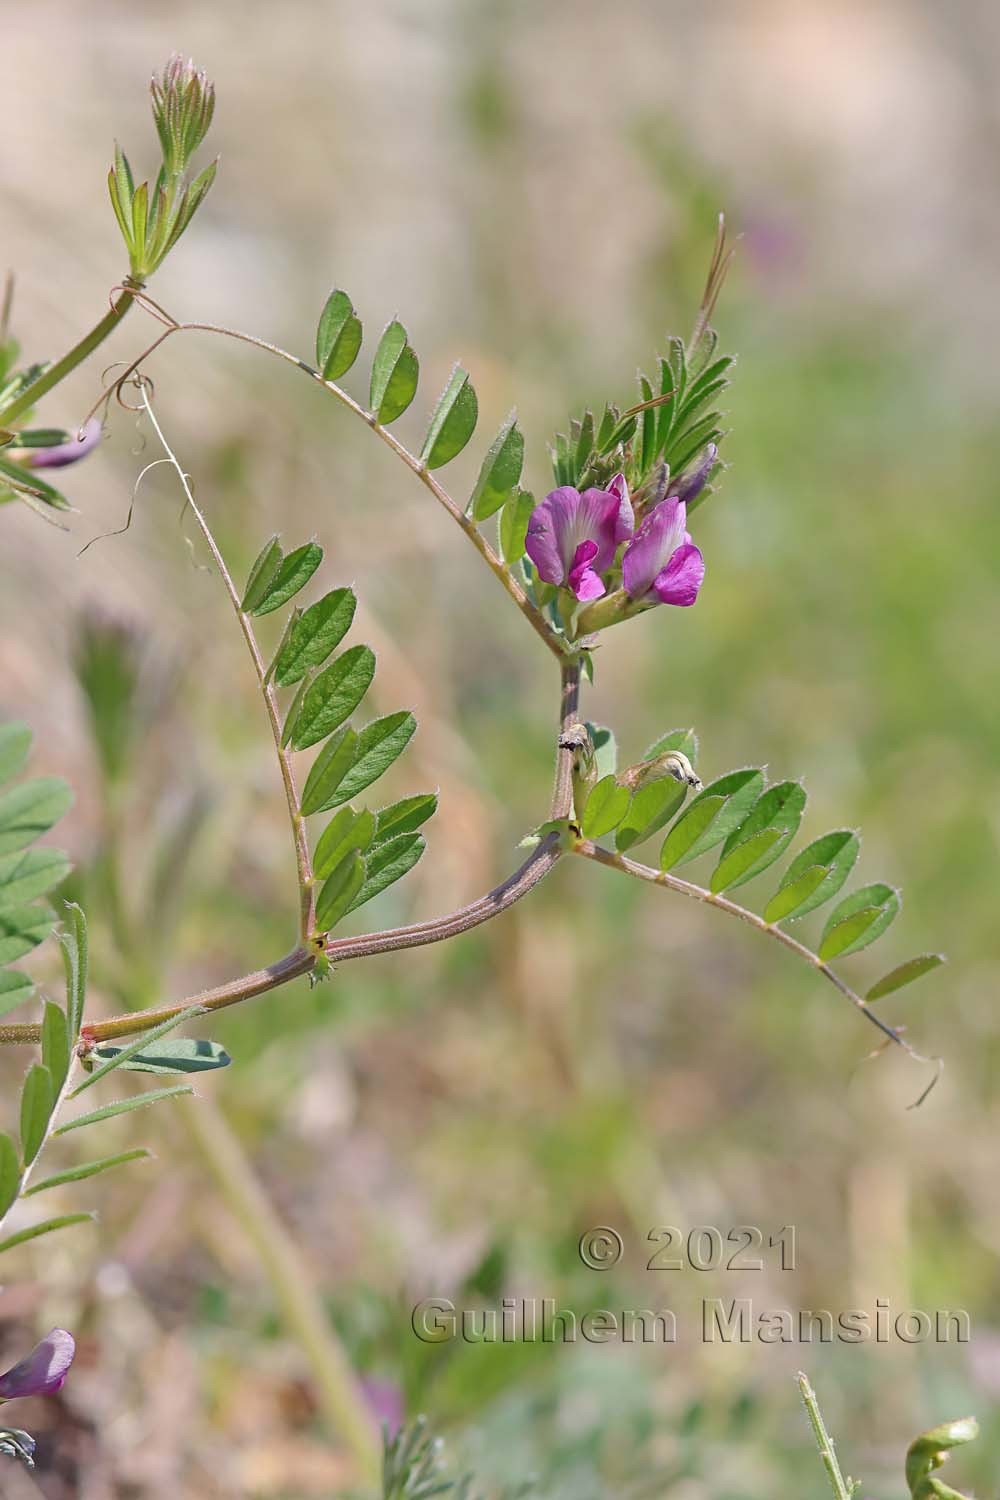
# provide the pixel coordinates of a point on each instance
(533, 188)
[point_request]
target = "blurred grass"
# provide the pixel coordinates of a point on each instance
(533, 189)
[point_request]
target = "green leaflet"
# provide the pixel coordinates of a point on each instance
(15, 988)
(792, 894)
(689, 828)
(10, 1172)
(837, 853)
(388, 863)
(332, 696)
(75, 951)
(317, 632)
(684, 740)
(21, 929)
(88, 1169)
(339, 892)
(905, 973)
(347, 832)
(338, 336)
(858, 920)
(180, 1055)
(514, 520)
(15, 742)
(453, 422)
(746, 859)
(328, 770)
(291, 575)
(395, 372)
(29, 810)
(116, 1057)
(55, 1045)
(741, 790)
(605, 807)
(29, 480)
(35, 1231)
(500, 471)
(37, 1100)
(379, 744)
(653, 805)
(266, 564)
(605, 748)
(29, 873)
(405, 816)
(779, 810)
(123, 1107)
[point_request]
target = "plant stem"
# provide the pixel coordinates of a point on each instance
(303, 859)
(340, 1398)
(841, 1489)
(76, 356)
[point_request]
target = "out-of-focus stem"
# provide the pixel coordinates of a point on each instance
(76, 356)
(340, 1398)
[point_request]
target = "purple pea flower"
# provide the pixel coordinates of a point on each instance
(691, 483)
(42, 1372)
(66, 453)
(661, 564)
(572, 538)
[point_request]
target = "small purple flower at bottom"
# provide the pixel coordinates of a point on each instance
(661, 564)
(572, 537)
(66, 453)
(42, 1372)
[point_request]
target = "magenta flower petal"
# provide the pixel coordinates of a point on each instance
(625, 522)
(42, 1372)
(67, 453)
(653, 545)
(561, 524)
(585, 583)
(680, 580)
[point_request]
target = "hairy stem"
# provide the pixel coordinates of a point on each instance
(553, 640)
(63, 367)
(841, 1488)
(303, 859)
